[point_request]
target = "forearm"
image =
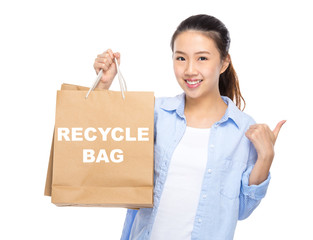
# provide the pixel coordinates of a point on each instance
(260, 171)
(102, 85)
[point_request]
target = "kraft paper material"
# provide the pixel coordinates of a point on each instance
(90, 168)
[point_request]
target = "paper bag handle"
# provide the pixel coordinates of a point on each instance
(121, 80)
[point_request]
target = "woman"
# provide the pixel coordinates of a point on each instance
(212, 161)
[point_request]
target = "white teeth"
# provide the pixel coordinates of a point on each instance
(193, 82)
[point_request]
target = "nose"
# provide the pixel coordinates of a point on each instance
(191, 69)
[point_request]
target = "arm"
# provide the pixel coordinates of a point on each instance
(260, 171)
(251, 194)
(256, 178)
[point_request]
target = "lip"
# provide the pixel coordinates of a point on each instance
(193, 85)
(192, 79)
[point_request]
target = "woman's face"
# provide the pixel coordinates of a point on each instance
(197, 64)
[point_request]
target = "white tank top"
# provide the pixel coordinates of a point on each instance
(180, 196)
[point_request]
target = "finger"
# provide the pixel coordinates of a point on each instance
(253, 126)
(108, 58)
(277, 128)
(107, 52)
(100, 59)
(96, 66)
(99, 66)
(111, 53)
(249, 134)
(117, 55)
(105, 58)
(103, 61)
(102, 55)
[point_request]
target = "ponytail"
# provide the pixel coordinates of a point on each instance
(229, 86)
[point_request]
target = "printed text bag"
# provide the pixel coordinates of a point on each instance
(102, 149)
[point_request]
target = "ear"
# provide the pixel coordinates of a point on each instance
(225, 64)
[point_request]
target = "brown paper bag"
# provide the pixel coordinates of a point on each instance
(102, 149)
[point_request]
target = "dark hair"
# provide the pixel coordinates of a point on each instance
(216, 30)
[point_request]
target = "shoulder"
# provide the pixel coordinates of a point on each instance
(169, 103)
(242, 119)
(247, 120)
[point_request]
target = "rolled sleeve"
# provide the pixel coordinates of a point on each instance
(256, 192)
(251, 196)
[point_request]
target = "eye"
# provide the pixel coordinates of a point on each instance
(203, 58)
(180, 58)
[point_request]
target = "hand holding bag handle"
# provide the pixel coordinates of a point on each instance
(120, 78)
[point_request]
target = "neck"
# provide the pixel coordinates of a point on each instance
(203, 112)
(207, 105)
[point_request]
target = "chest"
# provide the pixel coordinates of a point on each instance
(226, 153)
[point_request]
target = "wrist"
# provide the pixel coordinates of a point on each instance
(102, 85)
(266, 157)
(259, 172)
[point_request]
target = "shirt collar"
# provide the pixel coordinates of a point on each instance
(178, 104)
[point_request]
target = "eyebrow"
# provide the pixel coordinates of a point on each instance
(195, 53)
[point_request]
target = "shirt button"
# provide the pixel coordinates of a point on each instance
(204, 196)
(212, 146)
(209, 170)
(199, 220)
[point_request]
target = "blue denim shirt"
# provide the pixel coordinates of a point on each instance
(225, 195)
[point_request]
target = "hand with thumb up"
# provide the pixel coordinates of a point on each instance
(263, 139)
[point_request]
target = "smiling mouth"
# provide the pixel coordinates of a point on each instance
(193, 82)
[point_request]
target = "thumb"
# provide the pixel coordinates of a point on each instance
(277, 128)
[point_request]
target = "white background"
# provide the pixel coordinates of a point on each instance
(44, 44)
